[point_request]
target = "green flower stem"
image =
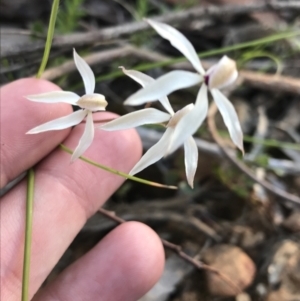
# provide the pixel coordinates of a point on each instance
(54, 11)
(116, 172)
(30, 176)
(28, 233)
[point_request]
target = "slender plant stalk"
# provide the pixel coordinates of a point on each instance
(119, 173)
(54, 11)
(254, 43)
(266, 142)
(272, 143)
(30, 176)
(28, 233)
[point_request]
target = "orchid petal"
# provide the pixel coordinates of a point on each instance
(230, 118)
(55, 97)
(156, 152)
(163, 86)
(190, 159)
(137, 118)
(86, 139)
(190, 122)
(60, 123)
(145, 80)
(179, 41)
(86, 73)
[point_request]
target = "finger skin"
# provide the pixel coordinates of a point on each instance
(65, 196)
(18, 115)
(122, 267)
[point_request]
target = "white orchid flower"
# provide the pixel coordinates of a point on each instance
(218, 76)
(90, 102)
(176, 123)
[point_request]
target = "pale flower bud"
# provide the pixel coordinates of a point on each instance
(221, 74)
(92, 102)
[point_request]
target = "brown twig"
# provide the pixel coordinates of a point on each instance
(178, 250)
(162, 216)
(200, 265)
(274, 83)
(268, 186)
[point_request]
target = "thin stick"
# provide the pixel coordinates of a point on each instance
(200, 265)
(247, 171)
(28, 235)
(178, 250)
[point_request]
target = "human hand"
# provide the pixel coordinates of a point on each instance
(125, 264)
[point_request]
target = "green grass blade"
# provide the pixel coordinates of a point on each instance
(49, 39)
(28, 234)
(272, 143)
(266, 142)
(254, 43)
(30, 176)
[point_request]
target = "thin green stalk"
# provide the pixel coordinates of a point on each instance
(117, 172)
(30, 176)
(273, 143)
(266, 142)
(28, 233)
(54, 11)
(147, 66)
